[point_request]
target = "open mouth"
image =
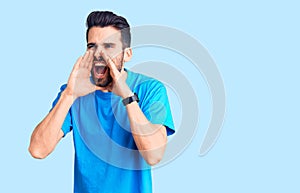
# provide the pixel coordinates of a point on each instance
(100, 70)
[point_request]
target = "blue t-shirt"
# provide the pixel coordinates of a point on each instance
(106, 157)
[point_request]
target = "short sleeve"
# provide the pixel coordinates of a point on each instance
(67, 124)
(155, 104)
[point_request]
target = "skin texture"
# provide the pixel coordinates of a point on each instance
(102, 43)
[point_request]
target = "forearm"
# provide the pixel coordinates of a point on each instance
(48, 132)
(150, 138)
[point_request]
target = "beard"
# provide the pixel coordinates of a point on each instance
(101, 73)
(103, 81)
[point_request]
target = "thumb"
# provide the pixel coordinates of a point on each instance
(76, 65)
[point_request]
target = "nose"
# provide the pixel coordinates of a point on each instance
(97, 52)
(97, 55)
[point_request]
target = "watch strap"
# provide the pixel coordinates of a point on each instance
(130, 99)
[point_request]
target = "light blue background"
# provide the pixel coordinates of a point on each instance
(255, 45)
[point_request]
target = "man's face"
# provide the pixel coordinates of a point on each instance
(107, 40)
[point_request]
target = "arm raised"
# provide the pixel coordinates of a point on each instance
(48, 132)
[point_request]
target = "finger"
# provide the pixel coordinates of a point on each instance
(76, 65)
(84, 59)
(90, 60)
(110, 64)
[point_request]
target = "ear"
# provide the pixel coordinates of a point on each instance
(127, 54)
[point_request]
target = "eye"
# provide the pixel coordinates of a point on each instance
(108, 46)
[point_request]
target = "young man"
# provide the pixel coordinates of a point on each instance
(120, 119)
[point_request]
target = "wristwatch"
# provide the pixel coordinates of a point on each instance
(130, 99)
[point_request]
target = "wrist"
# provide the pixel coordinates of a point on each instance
(130, 99)
(68, 94)
(127, 93)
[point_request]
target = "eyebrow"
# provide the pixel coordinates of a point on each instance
(90, 45)
(109, 43)
(105, 43)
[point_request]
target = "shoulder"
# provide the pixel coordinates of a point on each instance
(141, 81)
(63, 87)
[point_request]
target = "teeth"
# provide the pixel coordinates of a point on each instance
(96, 65)
(99, 64)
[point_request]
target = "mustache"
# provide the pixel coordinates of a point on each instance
(99, 59)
